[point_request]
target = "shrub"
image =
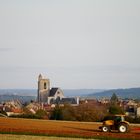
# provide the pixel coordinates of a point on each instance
(115, 109)
(83, 112)
(56, 113)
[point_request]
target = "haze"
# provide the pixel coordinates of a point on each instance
(74, 43)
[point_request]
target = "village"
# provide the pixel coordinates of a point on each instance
(15, 107)
(49, 99)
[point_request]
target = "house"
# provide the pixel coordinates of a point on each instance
(13, 107)
(138, 112)
(1, 107)
(34, 107)
(130, 107)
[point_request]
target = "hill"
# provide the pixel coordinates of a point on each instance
(20, 92)
(133, 93)
(24, 95)
(80, 92)
(23, 99)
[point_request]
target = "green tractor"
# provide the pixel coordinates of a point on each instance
(115, 122)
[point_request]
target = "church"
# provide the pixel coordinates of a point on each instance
(52, 95)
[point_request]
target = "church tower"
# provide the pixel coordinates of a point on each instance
(43, 89)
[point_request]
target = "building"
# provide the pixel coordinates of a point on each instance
(33, 107)
(138, 112)
(13, 107)
(43, 89)
(54, 95)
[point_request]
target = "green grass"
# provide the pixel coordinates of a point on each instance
(69, 137)
(29, 137)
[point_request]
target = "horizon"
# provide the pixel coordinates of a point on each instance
(130, 93)
(70, 88)
(75, 43)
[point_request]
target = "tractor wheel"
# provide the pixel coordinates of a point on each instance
(105, 128)
(123, 128)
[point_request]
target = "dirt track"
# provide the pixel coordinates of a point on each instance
(62, 128)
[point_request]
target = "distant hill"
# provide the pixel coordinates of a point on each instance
(24, 95)
(20, 92)
(23, 99)
(33, 92)
(80, 92)
(123, 93)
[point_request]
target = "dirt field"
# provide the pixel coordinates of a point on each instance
(62, 128)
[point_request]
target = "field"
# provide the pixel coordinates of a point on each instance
(62, 129)
(29, 137)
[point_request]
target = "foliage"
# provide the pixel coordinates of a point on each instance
(3, 112)
(88, 112)
(68, 113)
(29, 116)
(83, 112)
(41, 114)
(115, 109)
(56, 113)
(133, 120)
(114, 98)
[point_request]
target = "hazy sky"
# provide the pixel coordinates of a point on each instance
(75, 43)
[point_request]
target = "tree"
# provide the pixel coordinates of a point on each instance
(83, 112)
(41, 114)
(56, 113)
(115, 109)
(69, 113)
(114, 98)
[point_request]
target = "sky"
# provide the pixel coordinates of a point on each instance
(75, 43)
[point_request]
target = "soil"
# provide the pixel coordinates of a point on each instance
(62, 128)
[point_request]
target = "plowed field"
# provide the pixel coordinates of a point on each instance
(62, 128)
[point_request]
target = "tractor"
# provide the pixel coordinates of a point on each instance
(115, 122)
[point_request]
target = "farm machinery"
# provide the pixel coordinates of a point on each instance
(115, 122)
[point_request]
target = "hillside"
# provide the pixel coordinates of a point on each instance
(25, 95)
(123, 93)
(20, 92)
(80, 92)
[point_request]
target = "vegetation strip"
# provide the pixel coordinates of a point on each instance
(65, 136)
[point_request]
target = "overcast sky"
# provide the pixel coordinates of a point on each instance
(74, 43)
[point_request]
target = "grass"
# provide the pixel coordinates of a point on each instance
(31, 136)
(27, 137)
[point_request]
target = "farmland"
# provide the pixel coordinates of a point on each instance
(61, 128)
(29, 137)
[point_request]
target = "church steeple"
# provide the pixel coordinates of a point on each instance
(43, 89)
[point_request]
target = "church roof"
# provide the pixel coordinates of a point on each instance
(53, 91)
(68, 100)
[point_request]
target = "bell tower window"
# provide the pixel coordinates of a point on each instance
(45, 85)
